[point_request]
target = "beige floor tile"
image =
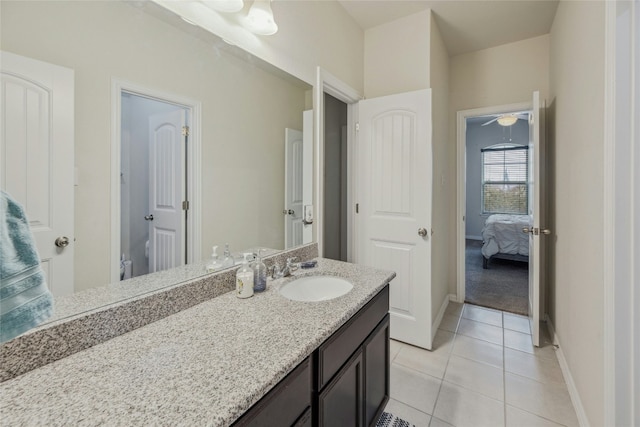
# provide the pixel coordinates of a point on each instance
(435, 422)
(394, 348)
(475, 376)
(516, 323)
(407, 413)
(414, 388)
(449, 323)
(454, 308)
(481, 331)
(550, 401)
(542, 369)
(443, 342)
(478, 350)
(481, 314)
(425, 361)
(461, 407)
(522, 342)
(519, 418)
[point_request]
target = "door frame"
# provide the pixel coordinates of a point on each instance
(193, 155)
(328, 83)
(461, 167)
(621, 165)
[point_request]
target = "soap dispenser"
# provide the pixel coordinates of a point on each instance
(259, 273)
(227, 260)
(214, 263)
(244, 279)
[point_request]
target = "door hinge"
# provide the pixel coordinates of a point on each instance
(357, 207)
(357, 127)
(185, 130)
(185, 205)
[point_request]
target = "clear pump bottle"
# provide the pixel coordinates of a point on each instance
(214, 263)
(259, 273)
(227, 260)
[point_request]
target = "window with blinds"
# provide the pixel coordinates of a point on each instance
(505, 179)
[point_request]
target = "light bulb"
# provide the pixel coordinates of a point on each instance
(260, 20)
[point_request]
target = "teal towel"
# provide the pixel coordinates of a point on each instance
(25, 300)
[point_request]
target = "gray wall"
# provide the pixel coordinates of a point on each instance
(335, 180)
(479, 137)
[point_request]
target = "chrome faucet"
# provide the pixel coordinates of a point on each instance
(277, 272)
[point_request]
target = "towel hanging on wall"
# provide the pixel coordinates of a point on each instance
(25, 300)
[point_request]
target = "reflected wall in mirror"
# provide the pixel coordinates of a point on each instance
(245, 108)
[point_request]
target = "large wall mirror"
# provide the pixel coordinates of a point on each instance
(141, 75)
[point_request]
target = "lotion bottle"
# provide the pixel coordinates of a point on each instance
(244, 279)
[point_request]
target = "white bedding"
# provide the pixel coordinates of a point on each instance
(503, 233)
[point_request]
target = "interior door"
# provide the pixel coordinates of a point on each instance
(537, 218)
(293, 194)
(166, 217)
(394, 205)
(37, 163)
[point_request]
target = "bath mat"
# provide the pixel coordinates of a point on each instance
(390, 420)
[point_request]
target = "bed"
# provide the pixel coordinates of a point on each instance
(503, 238)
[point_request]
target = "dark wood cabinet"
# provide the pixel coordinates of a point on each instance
(345, 382)
(376, 372)
(341, 401)
(286, 403)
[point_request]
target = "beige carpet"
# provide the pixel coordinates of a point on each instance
(503, 286)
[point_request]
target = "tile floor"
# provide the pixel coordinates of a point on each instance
(483, 371)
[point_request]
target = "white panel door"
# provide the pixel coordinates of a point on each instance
(293, 194)
(37, 163)
(394, 200)
(307, 174)
(166, 191)
(537, 217)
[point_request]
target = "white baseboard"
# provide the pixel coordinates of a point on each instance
(566, 373)
(473, 237)
(454, 298)
(438, 320)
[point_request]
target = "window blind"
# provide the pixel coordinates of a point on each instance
(505, 171)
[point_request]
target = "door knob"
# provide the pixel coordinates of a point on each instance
(422, 232)
(148, 217)
(288, 211)
(527, 230)
(545, 231)
(62, 242)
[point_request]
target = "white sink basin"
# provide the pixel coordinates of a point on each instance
(315, 288)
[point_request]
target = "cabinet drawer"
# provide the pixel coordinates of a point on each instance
(285, 403)
(334, 352)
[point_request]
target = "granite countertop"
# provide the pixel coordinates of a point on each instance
(206, 365)
(90, 299)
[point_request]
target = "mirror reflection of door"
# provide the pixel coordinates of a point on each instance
(293, 194)
(152, 179)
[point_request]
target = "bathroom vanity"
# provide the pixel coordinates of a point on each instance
(257, 361)
(345, 382)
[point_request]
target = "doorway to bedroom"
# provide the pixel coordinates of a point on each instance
(496, 210)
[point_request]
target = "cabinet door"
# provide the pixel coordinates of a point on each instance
(376, 372)
(285, 403)
(340, 404)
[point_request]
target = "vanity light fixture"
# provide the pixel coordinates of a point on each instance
(226, 6)
(507, 119)
(260, 19)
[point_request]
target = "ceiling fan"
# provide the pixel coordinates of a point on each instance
(508, 119)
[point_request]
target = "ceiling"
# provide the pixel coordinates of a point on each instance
(465, 25)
